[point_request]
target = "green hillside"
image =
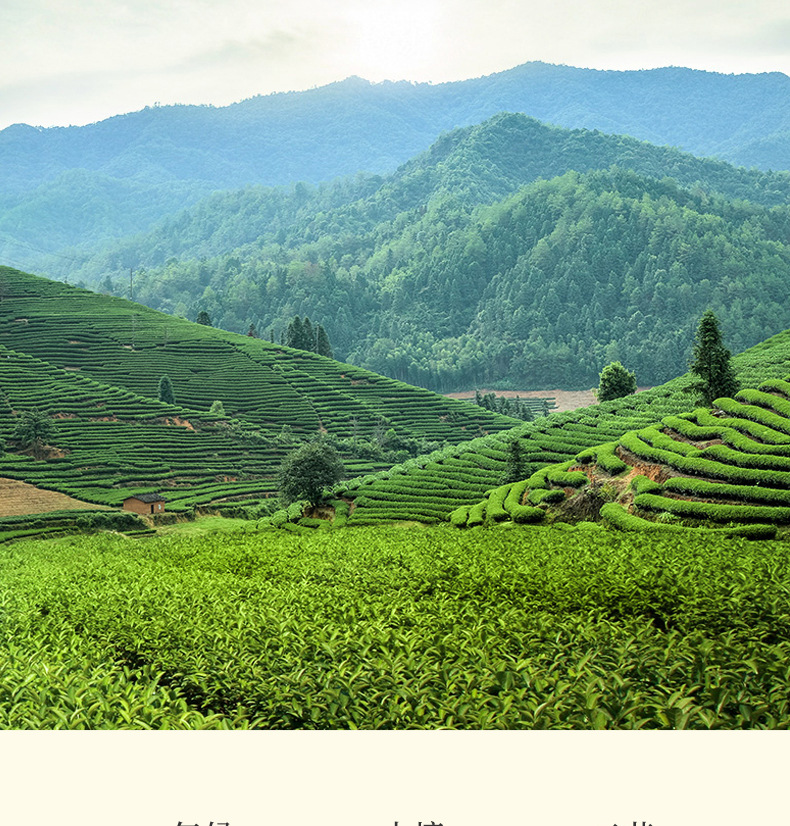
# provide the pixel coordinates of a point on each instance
(93, 364)
(726, 467)
(450, 276)
(476, 165)
(429, 489)
(65, 187)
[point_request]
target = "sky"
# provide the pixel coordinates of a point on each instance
(65, 62)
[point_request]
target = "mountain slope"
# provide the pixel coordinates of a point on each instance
(430, 488)
(354, 125)
(543, 287)
(93, 365)
(472, 166)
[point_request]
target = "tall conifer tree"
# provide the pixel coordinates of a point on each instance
(712, 362)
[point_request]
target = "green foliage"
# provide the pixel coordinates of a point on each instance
(604, 259)
(534, 628)
(115, 438)
(301, 335)
(322, 345)
(165, 391)
(617, 517)
(34, 429)
(615, 382)
(712, 362)
(307, 471)
(204, 318)
(518, 408)
(605, 458)
(516, 467)
(217, 408)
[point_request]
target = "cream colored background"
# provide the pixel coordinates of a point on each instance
(375, 779)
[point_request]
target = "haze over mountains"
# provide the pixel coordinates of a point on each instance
(464, 268)
(451, 273)
(119, 175)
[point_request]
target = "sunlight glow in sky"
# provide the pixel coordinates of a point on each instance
(72, 63)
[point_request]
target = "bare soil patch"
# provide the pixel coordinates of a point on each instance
(19, 498)
(565, 399)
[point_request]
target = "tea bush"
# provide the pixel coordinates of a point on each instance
(392, 628)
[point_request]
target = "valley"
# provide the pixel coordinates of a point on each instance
(204, 335)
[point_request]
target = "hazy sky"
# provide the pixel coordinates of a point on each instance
(76, 61)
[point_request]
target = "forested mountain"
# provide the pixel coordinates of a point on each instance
(437, 279)
(72, 186)
(471, 166)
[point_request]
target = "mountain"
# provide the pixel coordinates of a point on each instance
(461, 269)
(128, 171)
(92, 364)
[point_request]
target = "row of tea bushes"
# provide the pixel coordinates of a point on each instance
(393, 628)
(126, 345)
(743, 482)
(590, 436)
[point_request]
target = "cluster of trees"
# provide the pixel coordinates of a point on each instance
(34, 430)
(303, 336)
(517, 408)
(711, 365)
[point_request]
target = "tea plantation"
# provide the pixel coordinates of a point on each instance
(729, 466)
(396, 628)
(93, 364)
(430, 488)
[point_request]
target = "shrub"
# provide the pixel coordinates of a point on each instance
(523, 514)
(615, 382)
(459, 516)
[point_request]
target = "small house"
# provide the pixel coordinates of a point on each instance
(145, 503)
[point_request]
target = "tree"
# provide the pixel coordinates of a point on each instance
(33, 430)
(615, 382)
(515, 464)
(306, 471)
(322, 345)
(294, 334)
(308, 336)
(712, 362)
(253, 331)
(166, 393)
(217, 408)
(203, 318)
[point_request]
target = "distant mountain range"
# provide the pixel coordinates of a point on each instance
(464, 268)
(76, 186)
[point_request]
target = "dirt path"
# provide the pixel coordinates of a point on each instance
(19, 498)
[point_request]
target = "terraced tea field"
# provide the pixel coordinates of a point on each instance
(729, 466)
(93, 365)
(126, 345)
(429, 489)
